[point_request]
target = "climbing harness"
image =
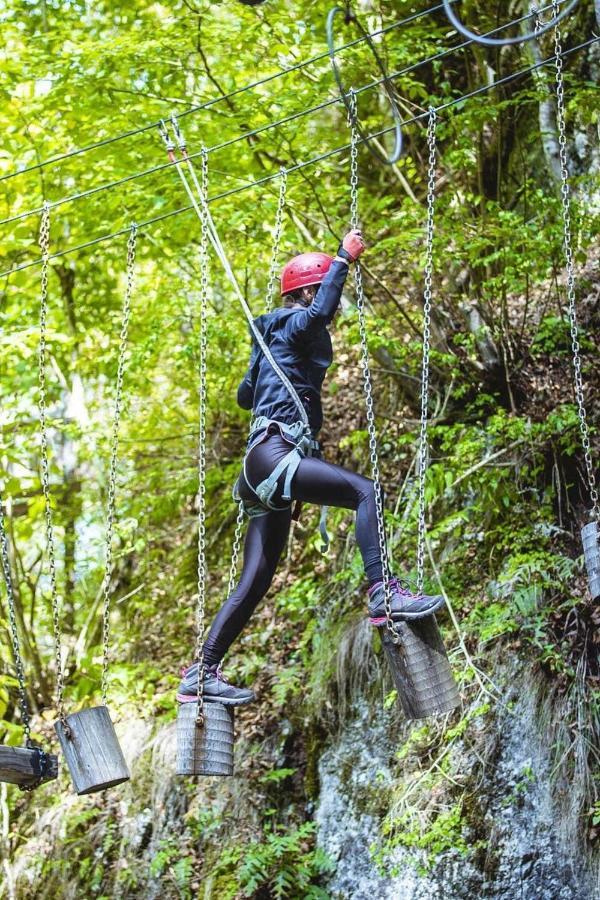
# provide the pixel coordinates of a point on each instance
(589, 533)
(87, 738)
(504, 42)
(349, 97)
(42, 766)
(366, 370)
(303, 445)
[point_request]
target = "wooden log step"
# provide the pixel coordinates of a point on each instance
(420, 668)
(205, 749)
(92, 751)
(590, 539)
(27, 766)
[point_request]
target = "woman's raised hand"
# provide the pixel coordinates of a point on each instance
(353, 245)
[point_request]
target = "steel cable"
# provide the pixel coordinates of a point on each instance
(264, 128)
(222, 98)
(301, 165)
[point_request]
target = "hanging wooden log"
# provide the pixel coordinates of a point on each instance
(27, 766)
(591, 553)
(205, 749)
(420, 669)
(92, 751)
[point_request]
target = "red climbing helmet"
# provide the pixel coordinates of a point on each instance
(304, 270)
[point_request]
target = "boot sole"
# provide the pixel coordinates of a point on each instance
(380, 621)
(224, 701)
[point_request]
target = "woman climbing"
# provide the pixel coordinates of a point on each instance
(283, 462)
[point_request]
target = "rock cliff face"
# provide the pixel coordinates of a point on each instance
(521, 840)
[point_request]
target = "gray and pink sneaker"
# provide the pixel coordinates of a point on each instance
(405, 604)
(215, 688)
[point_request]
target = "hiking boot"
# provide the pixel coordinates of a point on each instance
(215, 688)
(405, 604)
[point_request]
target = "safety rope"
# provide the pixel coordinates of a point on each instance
(423, 454)
(570, 270)
(112, 471)
(200, 205)
(366, 371)
(42, 397)
(14, 633)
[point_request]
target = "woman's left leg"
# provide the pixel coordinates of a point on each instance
(265, 540)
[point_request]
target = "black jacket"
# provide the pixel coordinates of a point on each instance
(301, 346)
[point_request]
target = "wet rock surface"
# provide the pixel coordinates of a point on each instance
(530, 850)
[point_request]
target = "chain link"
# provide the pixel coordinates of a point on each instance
(239, 525)
(202, 368)
(277, 238)
(44, 241)
(570, 269)
(423, 446)
(112, 472)
(14, 633)
(235, 552)
(367, 380)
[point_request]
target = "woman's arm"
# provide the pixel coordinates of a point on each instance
(245, 391)
(322, 310)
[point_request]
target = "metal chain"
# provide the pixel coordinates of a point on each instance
(235, 552)
(423, 447)
(278, 228)
(202, 368)
(12, 618)
(570, 269)
(239, 525)
(44, 241)
(537, 22)
(112, 471)
(367, 381)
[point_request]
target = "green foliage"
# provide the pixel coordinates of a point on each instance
(443, 831)
(78, 73)
(284, 863)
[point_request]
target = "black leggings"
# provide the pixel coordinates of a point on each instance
(315, 481)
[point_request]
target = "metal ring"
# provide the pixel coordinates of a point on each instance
(395, 155)
(504, 42)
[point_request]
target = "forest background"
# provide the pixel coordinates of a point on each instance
(505, 490)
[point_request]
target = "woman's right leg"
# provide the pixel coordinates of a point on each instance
(317, 481)
(325, 484)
